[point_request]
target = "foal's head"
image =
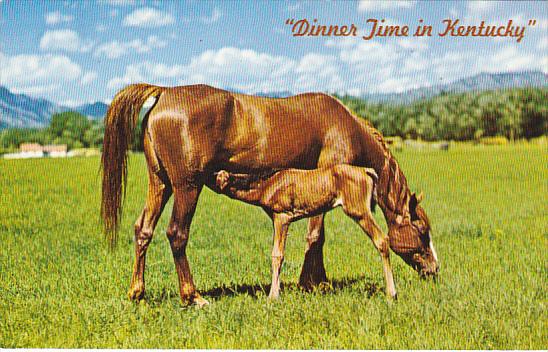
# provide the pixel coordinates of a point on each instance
(224, 179)
(410, 239)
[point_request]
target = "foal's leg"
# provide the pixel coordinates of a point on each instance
(313, 271)
(380, 240)
(281, 225)
(184, 206)
(157, 197)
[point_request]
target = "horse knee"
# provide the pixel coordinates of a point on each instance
(143, 235)
(178, 239)
(383, 246)
(315, 234)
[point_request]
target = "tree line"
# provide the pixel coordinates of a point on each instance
(511, 113)
(70, 128)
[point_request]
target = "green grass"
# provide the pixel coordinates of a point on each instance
(60, 286)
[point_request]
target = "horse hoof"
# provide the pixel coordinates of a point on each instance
(200, 302)
(136, 294)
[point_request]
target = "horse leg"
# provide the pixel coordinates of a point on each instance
(178, 231)
(157, 197)
(281, 225)
(381, 242)
(313, 271)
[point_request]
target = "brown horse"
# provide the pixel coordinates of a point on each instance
(292, 194)
(192, 131)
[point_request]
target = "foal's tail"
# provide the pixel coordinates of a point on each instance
(375, 178)
(120, 123)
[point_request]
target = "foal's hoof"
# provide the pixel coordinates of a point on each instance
(392, 297)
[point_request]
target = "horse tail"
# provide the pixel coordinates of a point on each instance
(120, 122)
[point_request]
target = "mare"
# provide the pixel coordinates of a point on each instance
(191, 132)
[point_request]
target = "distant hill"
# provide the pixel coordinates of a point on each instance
(481, 82)
(94, 110)
(20, 110)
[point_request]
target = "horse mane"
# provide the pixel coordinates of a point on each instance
(393, 192)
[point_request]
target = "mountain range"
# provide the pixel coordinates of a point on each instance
(20, 110)
(480, 82)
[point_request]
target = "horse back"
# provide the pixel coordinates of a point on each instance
(201, 128)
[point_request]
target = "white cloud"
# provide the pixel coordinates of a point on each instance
(345, 42)
(157, 73)
(132, 75)
(371, 5)
(243, 70)
(413, 43)
(351, 66)
(148, 17)
(215, 16)
(88, 77)
(57, 17)
(365, 65)
(119, 2)
(291, 7)
(477, 11)
(256, 71)
(67, 40)
(72, 103)
(510, 58)
(481, 6)
(315, 70)
(63, 40)
(543, 43)
(115, 49)
(37, 74)
(370, 53)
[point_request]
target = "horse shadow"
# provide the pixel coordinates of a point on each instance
(333, 286)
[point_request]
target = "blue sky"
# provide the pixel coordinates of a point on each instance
(85, 51)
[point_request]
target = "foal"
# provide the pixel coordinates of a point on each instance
(292, 194)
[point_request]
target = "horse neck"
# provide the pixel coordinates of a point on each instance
(246, 188)
(393, 193)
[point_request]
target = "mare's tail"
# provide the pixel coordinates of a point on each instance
(120, 123)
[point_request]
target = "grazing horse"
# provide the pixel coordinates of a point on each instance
(191, 132)
(292, 194)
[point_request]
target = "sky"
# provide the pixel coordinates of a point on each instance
(76, 52)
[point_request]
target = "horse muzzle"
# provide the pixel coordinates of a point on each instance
(430, 271)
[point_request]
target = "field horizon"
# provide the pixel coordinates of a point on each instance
(61, 287)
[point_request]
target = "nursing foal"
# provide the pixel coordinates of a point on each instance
(291, 194)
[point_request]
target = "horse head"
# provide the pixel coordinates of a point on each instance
(410, 239)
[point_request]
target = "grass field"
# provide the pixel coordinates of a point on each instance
(60, 286)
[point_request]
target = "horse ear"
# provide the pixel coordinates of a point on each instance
(420, 197)
(413, 201)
